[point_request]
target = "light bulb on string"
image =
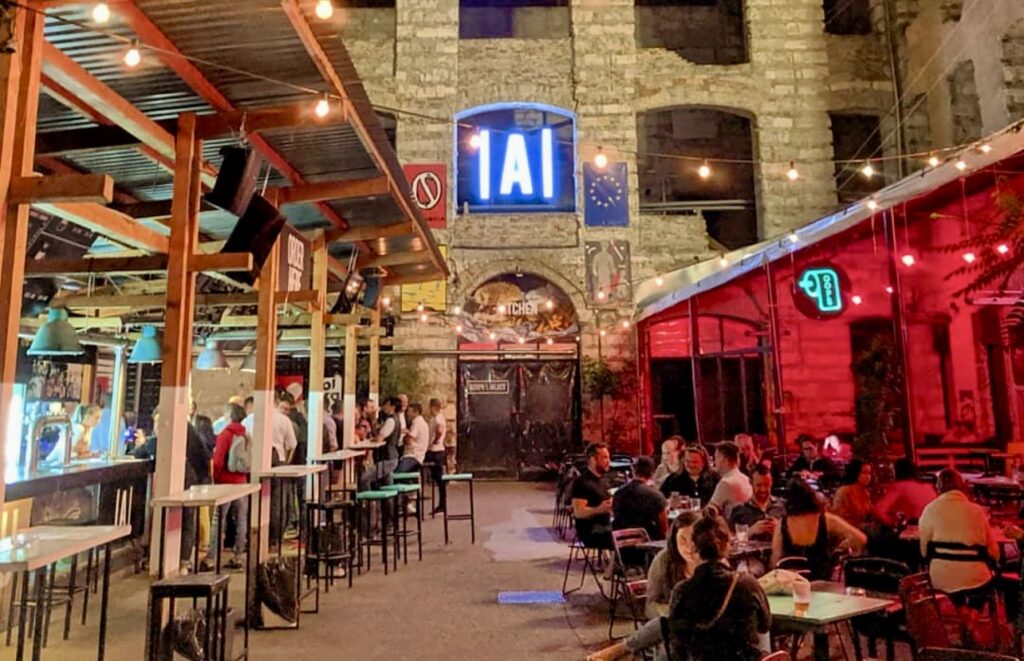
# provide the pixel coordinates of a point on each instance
(457, 309)
(421, 307)
(961, 165)
(324, 9)
(502, 309)
(133, 56)
(625, 324)
(793, 238)
(550, 341)
(908, 260)
(704, 170)
(458, 328)
(933, 161)
(889, 289)
(872, 205)
(424, 318)
(603, 333)
(601, 295)
(792, 174)
(474, 141)
(723, 261)
(101, 13)
(659, 281)
(985, 148)
(600, 159)
(1002, 249)
(493, 336)
(969, 257)
(868, 170)
(386, 301)
(549, 304)
(323, 107)
(522, 340)
(856, 299)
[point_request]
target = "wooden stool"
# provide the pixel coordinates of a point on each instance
(213, 588)
(471, 516)
(404, 491)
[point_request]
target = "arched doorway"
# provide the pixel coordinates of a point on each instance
(518, 384)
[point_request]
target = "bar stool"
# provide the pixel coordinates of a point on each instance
(471, 516)
(384, 500)
(332, 541)
(427, 476)
(213, 589)
(410, 478)
(404, 491)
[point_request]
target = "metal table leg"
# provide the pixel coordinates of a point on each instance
(104, 598)
(37, 615)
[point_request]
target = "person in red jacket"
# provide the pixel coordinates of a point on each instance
(233, 448)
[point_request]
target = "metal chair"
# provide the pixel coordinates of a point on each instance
(797, 564)
(884, 576)
(925, 623)
(627, 572)
(781, 655)
(592, 559)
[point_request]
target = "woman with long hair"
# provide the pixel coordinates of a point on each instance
(673, 565)
(852, 501)
(83, 421)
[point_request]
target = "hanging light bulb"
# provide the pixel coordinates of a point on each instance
(420, 307)
(456, 309)
(603, 333)
(961, 165)
(793, 238)
(857, 300)
(323, 107)
(601, 295)
(550, 341)
(133, 56)
(985, 148)
(522, 340)
(474, 141)
(793, 174)
(704, 170)
(969, 257)
(723, 261)
(458, 328)
(872, 204)
(424, 318)
(625, 324)
(549, 304)
(933, 161)
(101, 13)
(493, 336)
(324, 9)
(908, 260)
(868, 171)
(659, 281)
(889, 289)
(386, 301)
(600, 159)
(502, 309)
(1002, 249)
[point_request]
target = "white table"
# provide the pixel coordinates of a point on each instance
(346, 454)
(34, 550)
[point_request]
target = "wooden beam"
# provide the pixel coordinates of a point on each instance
(368, 232)
(345, 319)
(142, 301)
(317, 347)
(230, 262)
(254, 120)
(98, 188)
(154, 209)
(109, 223)
(332, 190)
(396, 259)
(39, 268)
(374, 361)
(57, 143)
(296, 297)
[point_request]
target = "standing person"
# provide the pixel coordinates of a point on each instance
(670, 453)
(638, 504)
(733, 488)
(906, 495)
(403, 419)
(232, 454)
(204, 427)
(220, 423)
(436, 454)
(250, 405)
(451, 451)
(416, 441)
(385, 457)
(852, 501)
(83, 423)
(694, 479)
(591, 504)
(283, 444)
(330, 429)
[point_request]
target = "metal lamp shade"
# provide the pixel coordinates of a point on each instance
(57, 337)
(211, 358)
(147, 349)
(250, 363)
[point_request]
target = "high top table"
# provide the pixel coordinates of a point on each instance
(298, 473)
(34, 550)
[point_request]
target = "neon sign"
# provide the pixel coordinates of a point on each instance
(515, 157)
(818, 291)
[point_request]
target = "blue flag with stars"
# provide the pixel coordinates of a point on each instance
(607, 202)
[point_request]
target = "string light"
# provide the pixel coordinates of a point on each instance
(386, 301)
(603, 333)
(625, 324)
(933, 160)
(961, 165)
(889, 289)
(601, 295)
(323, 107)
(857, 300)
(493, 336)
(522, 340)
(457, 309)
(101, 13)
(723, 261)
(133, 56)
(793, 174)
(550, 341)
(458, 328)
(659, 281)
(324, 9)
(474, 141)
(1002, 249)
(704, 171)
(549, 304)
(868, 171)
(908, 260)
(502, 309)
(872, 204)
(985, 148)
(969, 257)
(424, 317)
(600, 160)
(793, 238)
(420, 307)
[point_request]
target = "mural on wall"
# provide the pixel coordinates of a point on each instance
(608, 273)
(514, 306)
(432, 295)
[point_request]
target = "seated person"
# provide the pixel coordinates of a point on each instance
(953, 518)
(672, 565)
(810, 463)
(906, 495)
(638, 504)
(733, 488)
(670, 453)
(852, 502)
(694, 479)
(763, 511)
(808, 531)
(591, 505)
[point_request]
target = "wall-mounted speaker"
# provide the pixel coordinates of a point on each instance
(256, 232)
(236, 180)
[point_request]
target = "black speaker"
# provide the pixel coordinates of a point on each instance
(236, 180)
(256, 232)
(372, 291)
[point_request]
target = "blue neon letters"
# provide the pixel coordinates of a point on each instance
(821, 285)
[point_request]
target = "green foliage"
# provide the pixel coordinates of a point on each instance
(879, 402)
(599, 379)
(1002, 223)
(398, 374)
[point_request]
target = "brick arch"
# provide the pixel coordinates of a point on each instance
(739, 95)
(473, 276)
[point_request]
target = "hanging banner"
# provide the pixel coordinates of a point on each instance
(428, 187)
(514, 307)
(607, 195)
(608, 273)
(295, 262)
(433, 296)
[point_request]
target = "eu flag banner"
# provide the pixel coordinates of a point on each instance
(607, 202)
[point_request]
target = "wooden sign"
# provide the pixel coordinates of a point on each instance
(296, 261)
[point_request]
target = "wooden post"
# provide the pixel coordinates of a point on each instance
(19, 109)
(375, 358)
(266, 359)
(172, 429)
(349, 384)
(317, 349)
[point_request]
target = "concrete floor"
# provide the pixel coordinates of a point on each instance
(444, 607)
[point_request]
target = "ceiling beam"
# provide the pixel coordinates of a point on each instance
(98, 188)
(396, 259)
(412, 279)
(153, 209)
(109, 223)
(368, 232)
(146, 264)
(332, 190)
(254, 120)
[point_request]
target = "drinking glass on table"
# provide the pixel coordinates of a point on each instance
(742, 533)
(801, 598)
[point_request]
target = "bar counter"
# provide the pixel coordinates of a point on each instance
(81, 473)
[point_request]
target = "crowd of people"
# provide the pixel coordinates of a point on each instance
(826, 510)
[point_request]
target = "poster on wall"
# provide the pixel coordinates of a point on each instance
(608, 273)
(428, 187)
(511, 307)
(607, 195)
(432, 295)
(55, 381)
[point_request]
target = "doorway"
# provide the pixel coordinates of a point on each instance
(517, 419)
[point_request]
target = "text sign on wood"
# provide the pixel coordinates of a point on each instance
(296, 261)
(487, 387)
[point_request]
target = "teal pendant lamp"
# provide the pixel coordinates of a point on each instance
(147, 349)
(56, 337)
(211, 358)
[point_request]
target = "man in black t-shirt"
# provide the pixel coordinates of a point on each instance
(639, 505)
(591, 505)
